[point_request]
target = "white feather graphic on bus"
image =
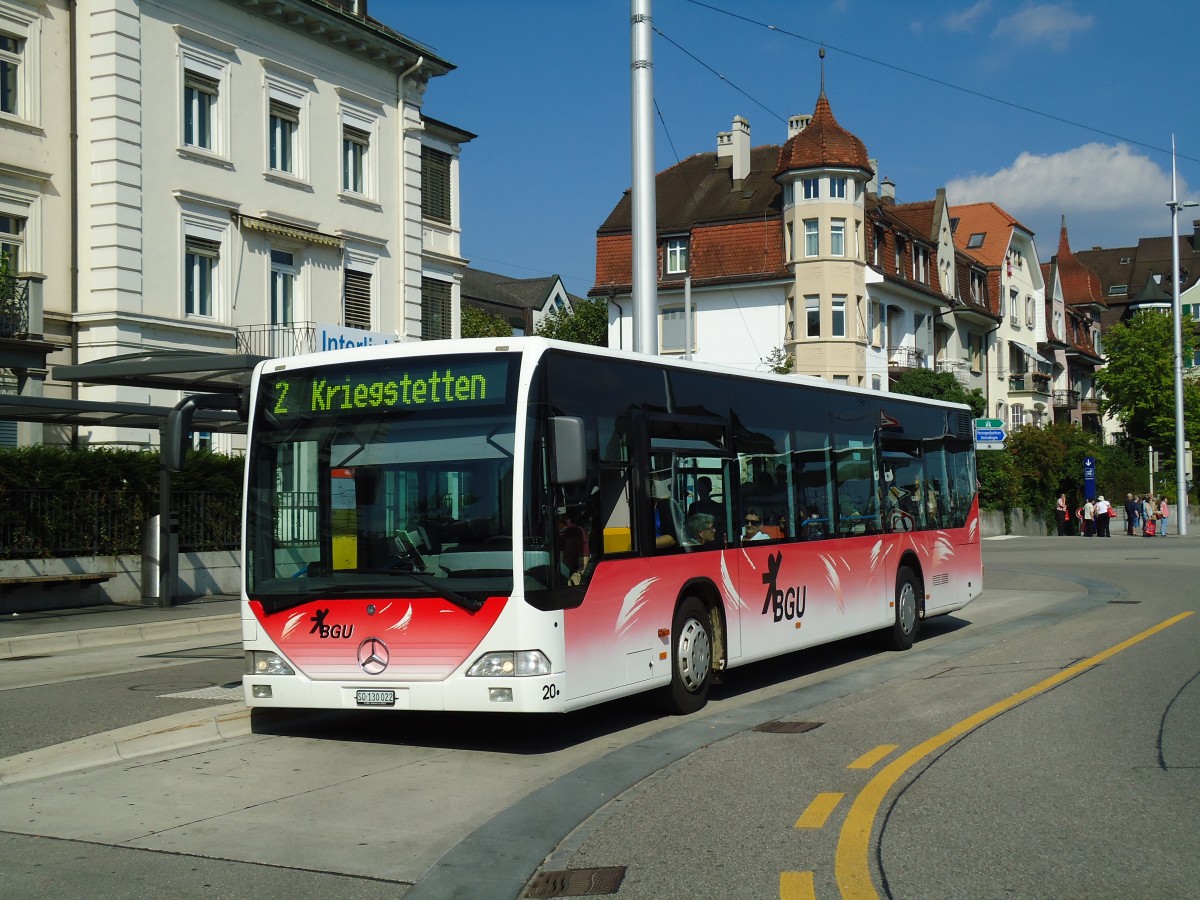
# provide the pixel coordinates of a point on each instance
(735, 597)
(632, 605)
(292, 622)
(402, 622)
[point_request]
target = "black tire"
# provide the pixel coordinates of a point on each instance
(903, 631)
(691, 658)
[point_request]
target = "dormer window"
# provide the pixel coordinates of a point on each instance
(812, 188)
(676, 255)
(975, 241)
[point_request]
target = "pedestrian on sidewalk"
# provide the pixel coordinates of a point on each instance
(1089, 518)
(1164, 513)
(1132, 514)
(1103, 515)
(1061, 514)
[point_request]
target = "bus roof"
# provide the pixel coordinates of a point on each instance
(536, 346)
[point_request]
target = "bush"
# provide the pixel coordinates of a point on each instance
(45, 467)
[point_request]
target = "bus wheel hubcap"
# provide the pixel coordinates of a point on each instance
(908, 608)
(694, 655)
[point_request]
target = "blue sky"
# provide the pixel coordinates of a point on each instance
(1048, 109)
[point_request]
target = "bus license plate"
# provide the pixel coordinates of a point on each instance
(375, 698)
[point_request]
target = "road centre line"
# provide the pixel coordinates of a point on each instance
(821, 807)
(797, 886)
(868, 759)
(852, 870)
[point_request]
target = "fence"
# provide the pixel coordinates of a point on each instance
(46, 524)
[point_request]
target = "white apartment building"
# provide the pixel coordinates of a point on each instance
(1019, 390)
(247, 177)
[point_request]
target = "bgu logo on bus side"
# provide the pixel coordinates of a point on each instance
(329, 631)
(787, 604)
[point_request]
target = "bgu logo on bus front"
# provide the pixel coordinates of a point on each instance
(787, 604)
(329, 631)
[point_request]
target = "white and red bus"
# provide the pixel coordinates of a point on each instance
(530, 526)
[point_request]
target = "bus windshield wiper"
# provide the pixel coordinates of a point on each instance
(470, 604)
(287, 601)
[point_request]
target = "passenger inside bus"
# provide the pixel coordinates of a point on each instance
(753, 525)
(699, 530)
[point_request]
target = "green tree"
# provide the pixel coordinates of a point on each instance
(939, 386)
(477, 323)
(1138, 384)
(586, 323)
(779, 362)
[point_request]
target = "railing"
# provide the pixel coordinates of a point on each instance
(1089, 406)
(44, 524)
(1066, 399)
(14, 307)
(1031, 383)
(905, 358)
(959, 368)
(278, 340)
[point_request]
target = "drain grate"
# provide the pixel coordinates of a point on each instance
(1127, 602)
(23, 658)
(781, 727)
(577, 882)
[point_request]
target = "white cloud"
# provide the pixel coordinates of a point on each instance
(967, 18)
(1043, 23)
(1109, 194)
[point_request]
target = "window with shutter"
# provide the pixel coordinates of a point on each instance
(356, 302)
(435, 309)
(435, 184)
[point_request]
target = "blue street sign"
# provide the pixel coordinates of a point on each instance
(1089, 476)
(989, 435)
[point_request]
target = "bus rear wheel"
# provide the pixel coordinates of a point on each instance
(903, 632)
(691, 658)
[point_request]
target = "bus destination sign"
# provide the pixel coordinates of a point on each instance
(426, 385)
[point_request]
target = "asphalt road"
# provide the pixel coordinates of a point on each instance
(1039, 744)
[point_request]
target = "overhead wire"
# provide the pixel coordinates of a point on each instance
(932, 80)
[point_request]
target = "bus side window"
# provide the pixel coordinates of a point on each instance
(615, 511)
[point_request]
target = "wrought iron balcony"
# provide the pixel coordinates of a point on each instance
(906, 358)
(14, 307)
(278, 340)
(1066, 399)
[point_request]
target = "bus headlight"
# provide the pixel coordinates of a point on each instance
(510, 663)
(264, 662)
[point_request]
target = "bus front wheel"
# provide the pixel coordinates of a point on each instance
(691, 658)
(903, 632)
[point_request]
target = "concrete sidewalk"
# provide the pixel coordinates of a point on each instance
(50, 631)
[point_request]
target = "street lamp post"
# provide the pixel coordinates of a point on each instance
(1181, 502)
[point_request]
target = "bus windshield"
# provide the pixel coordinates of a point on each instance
(367, 487)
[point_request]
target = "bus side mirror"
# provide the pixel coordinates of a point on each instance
(178, 428)
(568, 450)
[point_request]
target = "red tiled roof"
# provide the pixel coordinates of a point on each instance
(917, 216)
(990, 220)
(736, 251)
(823, 144)
(1080, 284)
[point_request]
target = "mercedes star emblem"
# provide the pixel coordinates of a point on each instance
(373, 656)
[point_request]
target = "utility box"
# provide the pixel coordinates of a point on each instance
(152, 558)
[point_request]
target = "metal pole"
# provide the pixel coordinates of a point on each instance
(687, 317)
(1181, 499)
(645, 238)
(1150, 466)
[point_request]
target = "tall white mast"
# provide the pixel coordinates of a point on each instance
(645, 232)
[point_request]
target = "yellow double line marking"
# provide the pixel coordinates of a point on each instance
(852, 869)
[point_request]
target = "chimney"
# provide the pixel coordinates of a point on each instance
(797, 124)
(887, 191)
(733, 149)
(873, 184)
